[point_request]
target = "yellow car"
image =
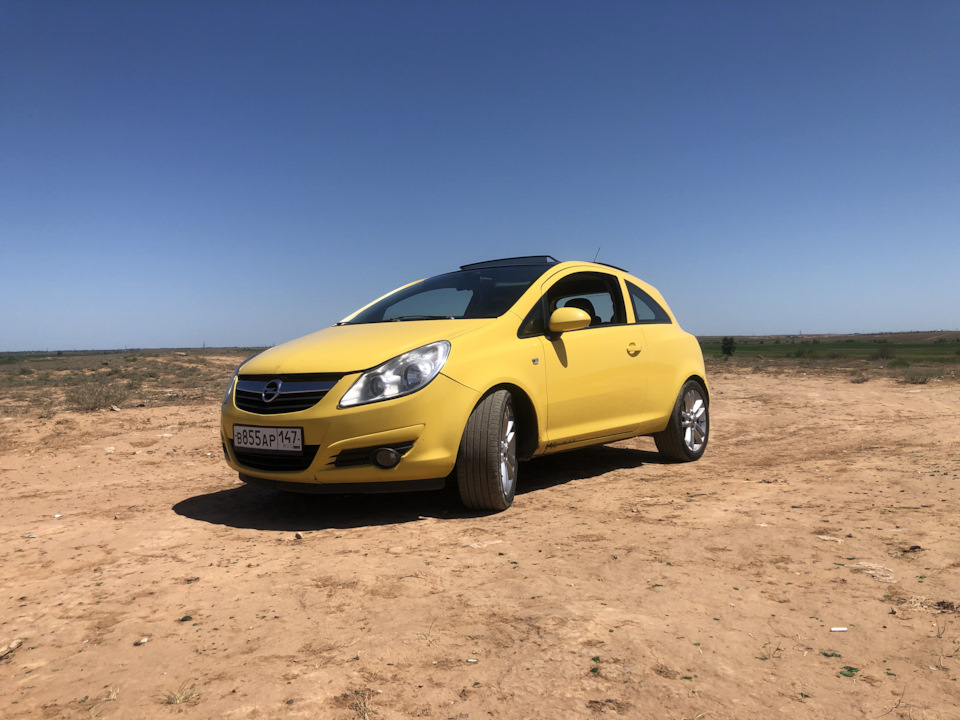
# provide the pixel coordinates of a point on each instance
(462, 375)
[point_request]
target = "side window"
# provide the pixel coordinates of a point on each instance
(645, 308)
(597, 294)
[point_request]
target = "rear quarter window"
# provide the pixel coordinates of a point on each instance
(647, 310)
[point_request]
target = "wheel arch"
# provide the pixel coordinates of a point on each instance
(527, 419)
(700, 379)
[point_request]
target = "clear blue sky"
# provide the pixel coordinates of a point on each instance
(242, 173)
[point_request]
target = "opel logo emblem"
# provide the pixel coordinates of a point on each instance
(271, 391)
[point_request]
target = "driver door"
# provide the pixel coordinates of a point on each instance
(595, 377)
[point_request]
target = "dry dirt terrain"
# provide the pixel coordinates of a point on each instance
(807, 567)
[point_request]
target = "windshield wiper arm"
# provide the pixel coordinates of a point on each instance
(402, 318)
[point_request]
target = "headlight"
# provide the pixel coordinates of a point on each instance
(233, 378)
(403, 375)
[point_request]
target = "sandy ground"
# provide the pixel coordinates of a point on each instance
(138, 571)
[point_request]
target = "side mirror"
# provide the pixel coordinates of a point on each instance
(568, 318)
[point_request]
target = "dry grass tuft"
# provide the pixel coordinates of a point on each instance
(877, 572)
(185, 693)
(915, 377)
(360, 702)
(428, 637)
(108, 695)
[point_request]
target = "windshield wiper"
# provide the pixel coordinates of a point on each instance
(402, 318)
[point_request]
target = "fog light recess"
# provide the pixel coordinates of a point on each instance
(384, 458)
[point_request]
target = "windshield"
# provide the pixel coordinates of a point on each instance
(470, 294)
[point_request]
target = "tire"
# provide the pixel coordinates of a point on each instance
(487, 460)
(686, 435)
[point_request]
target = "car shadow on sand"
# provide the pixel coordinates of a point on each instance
(258, 509)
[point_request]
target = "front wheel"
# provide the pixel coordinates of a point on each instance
(487, 459)
(685, 437)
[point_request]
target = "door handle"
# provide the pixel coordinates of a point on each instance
(633, 349)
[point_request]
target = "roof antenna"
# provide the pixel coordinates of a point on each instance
(597, 255)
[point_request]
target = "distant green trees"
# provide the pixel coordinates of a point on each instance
(728, 345)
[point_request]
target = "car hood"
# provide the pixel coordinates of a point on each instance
(351, 348)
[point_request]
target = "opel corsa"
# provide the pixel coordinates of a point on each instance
(461, 376)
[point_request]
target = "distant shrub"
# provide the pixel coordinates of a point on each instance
(915, 377)
(728, 345)
(836, 355)
(95, 395)
(899, 362)
(881, 354)
(858, 378)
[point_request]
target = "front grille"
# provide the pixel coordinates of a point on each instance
(277, 462)
(361, 456)
(259, 393)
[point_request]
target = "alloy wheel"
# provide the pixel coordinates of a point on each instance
(693, 419)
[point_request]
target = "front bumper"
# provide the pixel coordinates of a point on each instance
(424, 428)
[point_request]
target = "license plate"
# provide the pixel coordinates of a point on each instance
(268, 439)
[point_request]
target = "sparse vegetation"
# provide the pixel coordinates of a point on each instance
(44, 384)
(361, 704)
(109, 694)
(186, 693)
(769, 651)
(428, 637)
(861, 358)
(96, 394)
(916, 377)
(803, 351)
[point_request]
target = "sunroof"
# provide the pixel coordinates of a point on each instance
(507, 262)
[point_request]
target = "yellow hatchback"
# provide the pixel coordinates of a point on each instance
(462, 375)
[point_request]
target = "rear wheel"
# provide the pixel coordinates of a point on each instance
(686, 435)
(487, 460)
